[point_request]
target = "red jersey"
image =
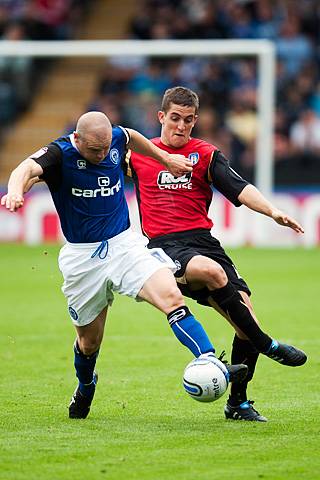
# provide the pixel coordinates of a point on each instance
(168, 204)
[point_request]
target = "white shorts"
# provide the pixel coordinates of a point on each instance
(123, 266)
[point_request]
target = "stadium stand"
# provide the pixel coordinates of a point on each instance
(65, 86)
(129, 89)
(228, 88)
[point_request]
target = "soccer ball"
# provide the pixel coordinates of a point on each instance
(206, 378)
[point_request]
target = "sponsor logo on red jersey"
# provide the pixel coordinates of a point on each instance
(167, 180)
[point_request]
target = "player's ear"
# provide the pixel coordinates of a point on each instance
(195, 120)
(161, 116)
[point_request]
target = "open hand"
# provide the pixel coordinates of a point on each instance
(284, 219)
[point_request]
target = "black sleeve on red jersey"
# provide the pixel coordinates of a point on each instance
(51, 163)
(225, 179)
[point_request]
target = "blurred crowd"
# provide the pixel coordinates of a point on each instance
(130, 88)
(31, 20)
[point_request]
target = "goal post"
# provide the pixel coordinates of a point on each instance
(263, 50)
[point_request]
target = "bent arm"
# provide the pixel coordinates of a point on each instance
(176, 164)
(252, 198)
(19, 182)
(30, 184)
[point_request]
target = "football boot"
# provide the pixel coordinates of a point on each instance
(286, 354)
(80, 404)
(237, 373)
(244, 411)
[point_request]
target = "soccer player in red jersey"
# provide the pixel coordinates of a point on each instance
(174, 216)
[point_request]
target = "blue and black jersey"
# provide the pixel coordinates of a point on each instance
(89, 199)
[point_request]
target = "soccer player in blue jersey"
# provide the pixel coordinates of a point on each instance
(102, 255)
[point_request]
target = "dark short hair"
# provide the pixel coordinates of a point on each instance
(180, 96)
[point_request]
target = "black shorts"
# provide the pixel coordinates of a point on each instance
(182, 246)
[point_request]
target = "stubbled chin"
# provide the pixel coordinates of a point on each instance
(178, 142)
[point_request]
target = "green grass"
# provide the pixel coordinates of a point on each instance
(142, 424)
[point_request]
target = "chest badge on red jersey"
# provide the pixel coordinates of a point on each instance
(194, 157)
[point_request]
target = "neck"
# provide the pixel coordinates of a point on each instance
(168, 144)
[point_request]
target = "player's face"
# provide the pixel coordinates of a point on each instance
(177, 124)
(92, 148)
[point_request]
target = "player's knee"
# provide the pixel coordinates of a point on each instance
(174, 298)
(88, 346)
(216, 276)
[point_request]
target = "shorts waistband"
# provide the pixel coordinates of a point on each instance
(94, 245)
(183, 234)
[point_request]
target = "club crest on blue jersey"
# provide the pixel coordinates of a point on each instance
(73, 314)
(81, 164)
(114, 156)
(194, 157)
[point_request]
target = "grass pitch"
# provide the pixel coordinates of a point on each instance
(142, 424)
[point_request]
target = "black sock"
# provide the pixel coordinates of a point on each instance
(84, 365)
(242, 352)
(230, 301)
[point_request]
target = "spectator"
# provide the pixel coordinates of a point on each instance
(16, 71)
(15, 77)
(267, 20)
(294, 48)
(230, 87)
(315, 100)
(241, 119)
(240, 22)
(305, 134)
(55, 16)
(153, 79)
(35, 20)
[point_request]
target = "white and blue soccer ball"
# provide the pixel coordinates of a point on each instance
(206, 378)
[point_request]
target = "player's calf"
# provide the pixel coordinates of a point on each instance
(189, 331)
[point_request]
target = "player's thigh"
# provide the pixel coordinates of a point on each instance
(85, 285)
(131, 264)
(202, 271)
(218, 254)
(161, 291)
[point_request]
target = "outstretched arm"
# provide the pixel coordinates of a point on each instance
(19, 183)
(252, 198)
(177, 165)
